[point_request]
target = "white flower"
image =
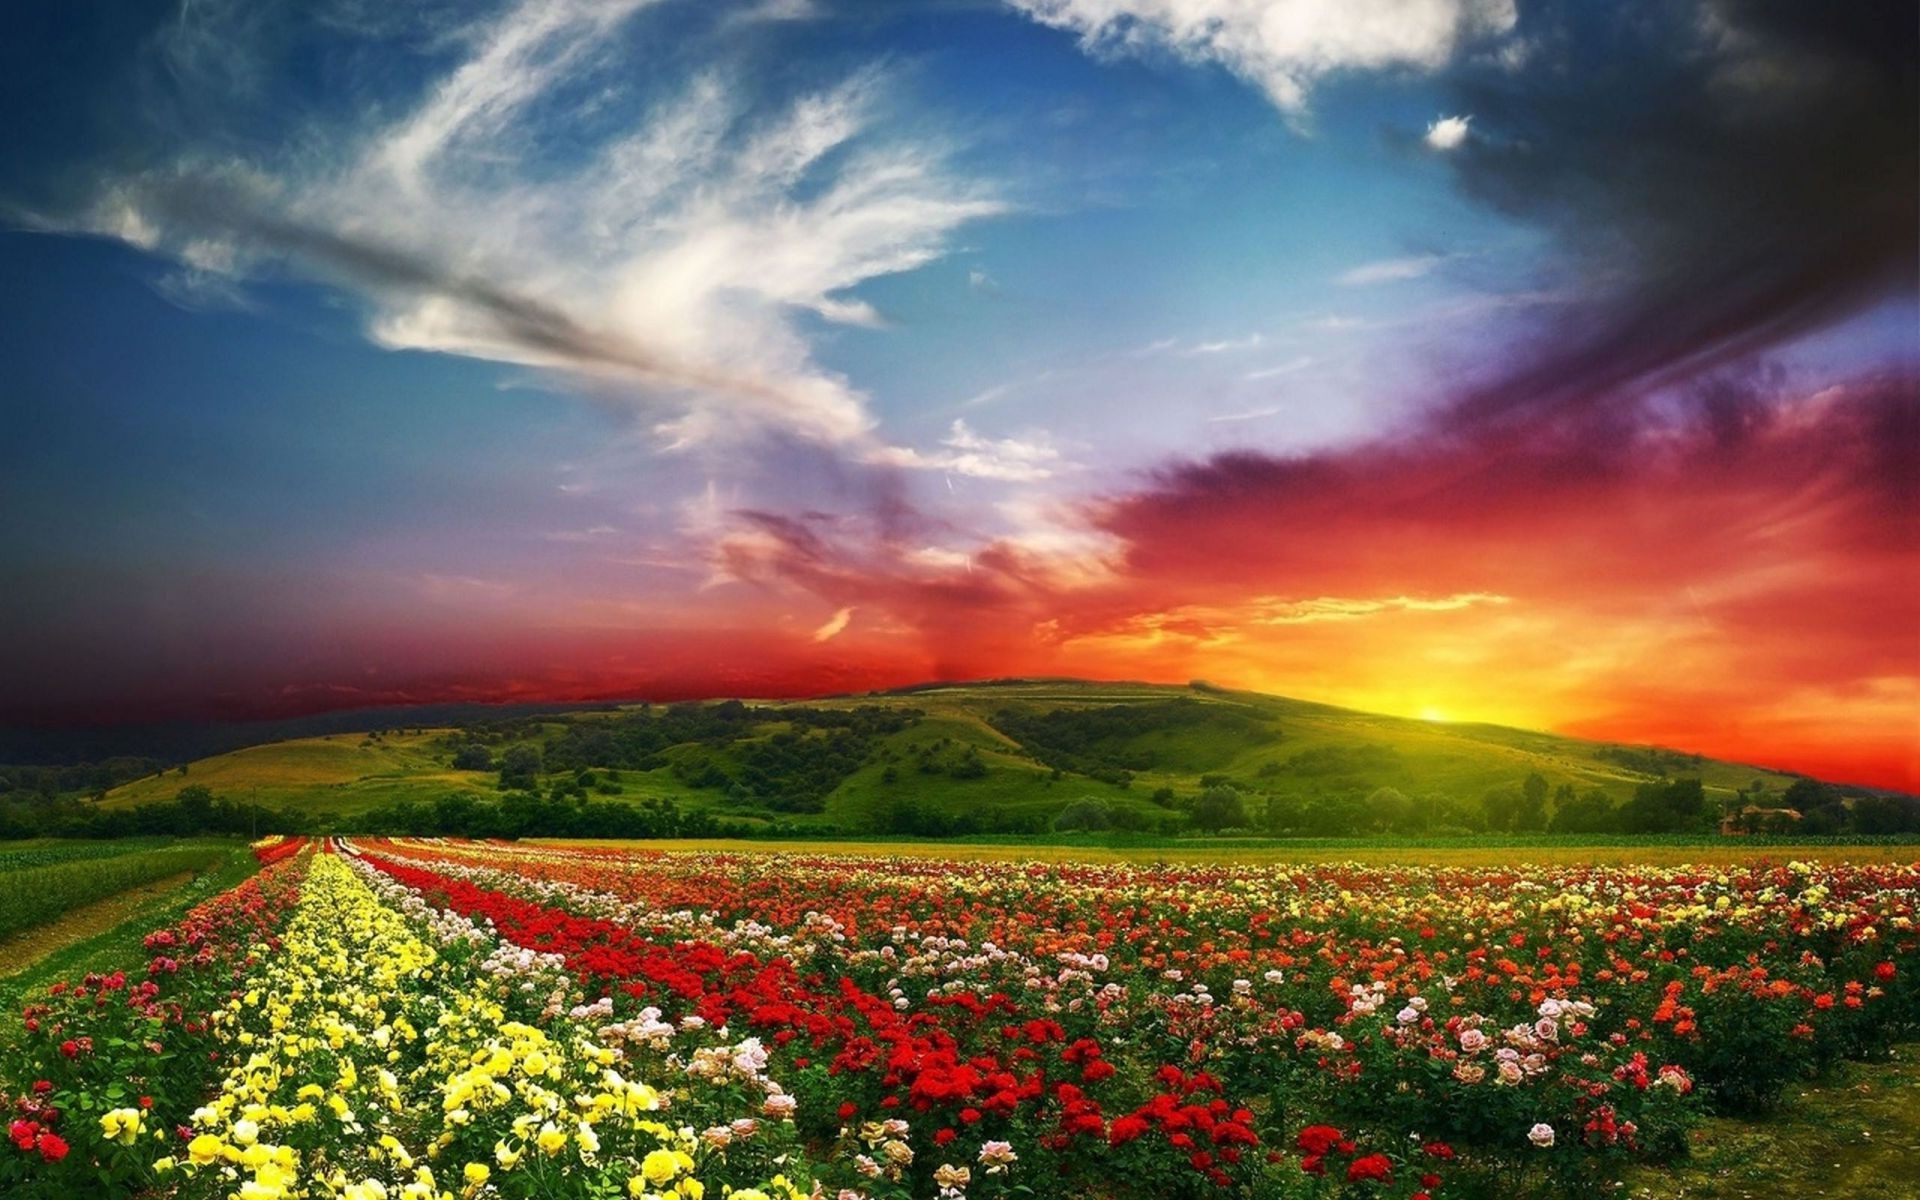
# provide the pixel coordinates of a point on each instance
(1541, 1135)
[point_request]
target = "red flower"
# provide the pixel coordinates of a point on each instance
(1373, 1166)
(1318, 1139)
(52, 1147)
(1126, 1129)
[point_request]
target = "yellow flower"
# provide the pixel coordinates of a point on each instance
(660, 1167)
(477, 1173)
(204, 1149)
(121, 1125)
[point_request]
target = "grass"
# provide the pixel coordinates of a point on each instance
(1854, 1133)
(340, 773)
(345, 774)
(33, 896)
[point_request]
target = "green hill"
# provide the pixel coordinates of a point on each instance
(1003, 756)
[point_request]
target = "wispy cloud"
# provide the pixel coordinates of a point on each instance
(834, 627)
(1391, 270)
(667, 260)
(964, 452)
(1227, 345)
(1292, 366)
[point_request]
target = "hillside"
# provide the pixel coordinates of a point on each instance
(1005, 756)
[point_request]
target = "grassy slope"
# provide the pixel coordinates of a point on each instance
(347, 773)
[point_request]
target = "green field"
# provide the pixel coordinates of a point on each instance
(346, 772)
(958, 757)
(32, 896)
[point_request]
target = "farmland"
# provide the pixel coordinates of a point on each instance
(416, 1017)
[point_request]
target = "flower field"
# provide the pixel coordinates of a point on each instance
(442, 1019)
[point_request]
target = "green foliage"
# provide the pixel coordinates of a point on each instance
(1675, 806)
(1219, 807)
(1088, 812)
(1120, 738)
(35, 895)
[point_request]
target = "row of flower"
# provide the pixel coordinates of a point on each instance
(432, 1019)
(377, 1047)
(1060, 1041)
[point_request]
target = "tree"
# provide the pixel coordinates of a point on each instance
(473, 757)
(1088, 812)
(1219, 807)
(1391, 809)
(1592, 812)
(520, 767)
(1501, 806)
(1532, 812)
(1668, 806)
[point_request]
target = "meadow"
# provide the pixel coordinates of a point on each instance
(1014, 758)
(423, 1017)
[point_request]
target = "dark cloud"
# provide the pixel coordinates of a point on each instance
(1726, 175)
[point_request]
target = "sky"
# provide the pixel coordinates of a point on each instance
(1550, 364)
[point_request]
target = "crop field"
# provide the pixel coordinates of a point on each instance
(427, 1018)
(41, 884)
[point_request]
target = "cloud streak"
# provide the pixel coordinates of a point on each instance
(667, 257)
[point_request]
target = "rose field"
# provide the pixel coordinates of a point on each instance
(415, 1018)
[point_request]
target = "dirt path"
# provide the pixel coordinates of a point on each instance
(20, 952)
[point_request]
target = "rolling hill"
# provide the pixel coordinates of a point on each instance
(1001, 756)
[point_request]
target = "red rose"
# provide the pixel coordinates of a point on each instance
(1318, 1139)
(52, 1147)
(1373, 1166)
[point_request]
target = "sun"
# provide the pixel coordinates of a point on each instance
(1432, 714)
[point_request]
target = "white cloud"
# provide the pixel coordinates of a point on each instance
(1227, 345)
(836, 624)
(1390, 270)
(1013, 460)
(1292, 366)
(1252, 414)
(1282, 47)
(666, 258)
(1448, 133)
